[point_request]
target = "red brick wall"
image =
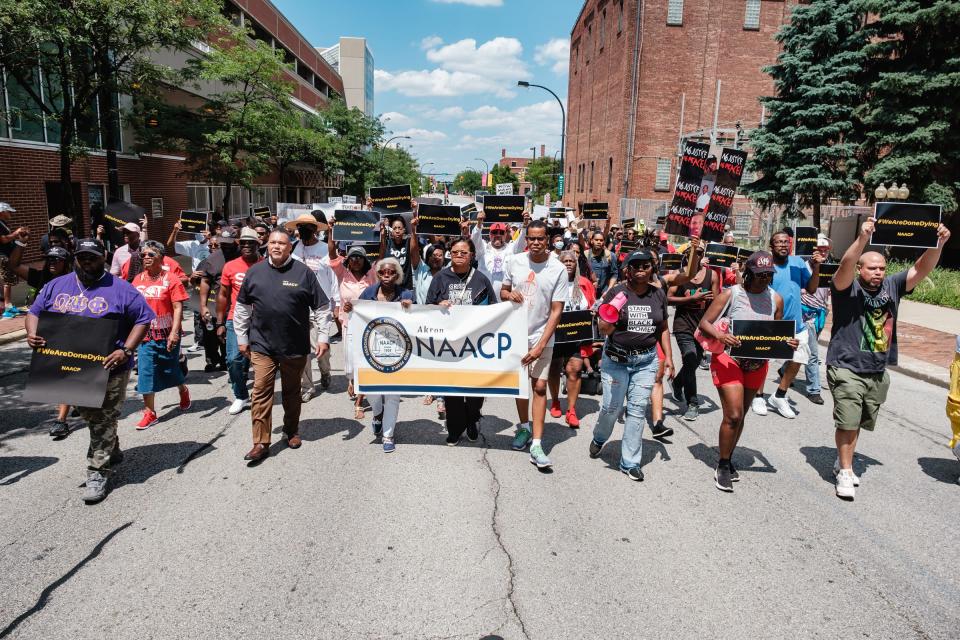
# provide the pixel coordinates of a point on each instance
(710, 45)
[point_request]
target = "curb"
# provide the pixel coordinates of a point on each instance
(917, 369)
(13, 336)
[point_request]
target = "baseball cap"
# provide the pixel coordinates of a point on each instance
(498, 226)
(89, 245)
(132, 226)
(760, 262)
(823, 241)
(356, 250)
(640, 255)
(227, 236)
(58, 252)
(249, 234)
(6, 207)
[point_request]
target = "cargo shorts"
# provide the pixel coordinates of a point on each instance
(856, 397)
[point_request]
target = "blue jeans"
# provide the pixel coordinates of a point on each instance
(237, 365)
(812, 368)
(632, 381)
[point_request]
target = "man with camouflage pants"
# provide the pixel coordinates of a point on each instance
(92, 292)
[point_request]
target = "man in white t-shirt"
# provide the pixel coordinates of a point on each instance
(492, 256)
(538, 280)
(316, 256)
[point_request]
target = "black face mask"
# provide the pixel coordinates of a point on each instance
(88, 278)
(306, 232)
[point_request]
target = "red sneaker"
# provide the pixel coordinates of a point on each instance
(185, 400)
(555, 409)
(572, 419)
(148, 420)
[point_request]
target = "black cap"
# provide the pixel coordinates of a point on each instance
(356, 250)
(90, 245)
(58, 252)
(640, 255)
(227, 236)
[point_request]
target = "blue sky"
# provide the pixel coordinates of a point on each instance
(446, 70)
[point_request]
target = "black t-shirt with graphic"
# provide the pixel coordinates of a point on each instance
(467, 289)
(640, 317)
(402, 253)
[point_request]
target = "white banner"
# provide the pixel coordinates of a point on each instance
(505, 189)
(460, 351)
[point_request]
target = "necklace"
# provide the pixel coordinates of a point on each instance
(83, 290)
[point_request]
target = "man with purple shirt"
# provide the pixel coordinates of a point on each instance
(92, 292)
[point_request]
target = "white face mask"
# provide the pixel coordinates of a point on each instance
(558, 245)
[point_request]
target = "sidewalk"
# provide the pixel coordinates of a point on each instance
(11, 330)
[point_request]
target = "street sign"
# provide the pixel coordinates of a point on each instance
(560, 186)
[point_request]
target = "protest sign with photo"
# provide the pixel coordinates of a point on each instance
(805, 241)
(356, 226)
(68, 369)
(722, 191)
(763, 339)
(595, 210)
(574, 326)
(906, 224)
(505, 189)
(721, 255)
(827, 271)
(686, 195)
(463, 350)
(670, 262)
(503, 208)
(391, 199)
(194, 221)
(439, 220)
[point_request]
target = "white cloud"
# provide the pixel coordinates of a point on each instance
(431, 42)
(447, 113)
(423, 135)
(499, 57)
(474, 3)
(555, 53)
(437, 83)
(396, 119)
(542, 118)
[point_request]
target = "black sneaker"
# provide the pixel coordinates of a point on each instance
(59, 429)
(209, 368)
(734, 475)
(452, 441)
(473, 433)
(677, 392)
(659, 430)
(595, 449)
(324, 381)
(722, 477)
(117, 456)
(634, 474)
(815, 398)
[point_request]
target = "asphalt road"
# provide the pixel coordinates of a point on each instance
(339, 540)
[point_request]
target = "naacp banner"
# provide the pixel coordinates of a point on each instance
(431, 350)
(68, 369)
(906, 224)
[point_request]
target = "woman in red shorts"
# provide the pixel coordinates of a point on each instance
(738, 379)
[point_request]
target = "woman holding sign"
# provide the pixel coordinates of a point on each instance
(569, 357)
(738, 379)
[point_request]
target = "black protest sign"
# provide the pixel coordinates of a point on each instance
(438, 220)
(120, 213)
(729, 173)
(626, 246)
(595, 210)
(744, 254)
(805, 241)
(392, 199)
(763, 339)
(429, 200)
(827, 271)
(683, 207)
(503, 208)
(628, 223)
(259, 212)
(906, 224)
(372, 251)
(661, 220)
(670, 262)
(194, 221)
(721, 255)
(356, 226)
(68, 369)
(574, 326)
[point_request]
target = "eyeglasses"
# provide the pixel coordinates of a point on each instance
(459, 253)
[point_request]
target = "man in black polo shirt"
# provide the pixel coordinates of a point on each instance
(279, 301)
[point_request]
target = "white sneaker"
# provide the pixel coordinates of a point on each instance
(781, 406)
(306, 396)
(836, 471)
(238, 406)
(845, 487)
(194, 348)
(758, 406)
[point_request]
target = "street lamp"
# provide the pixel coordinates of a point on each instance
(422, 167)
(384, 148)
(563, 115)
(486, 166)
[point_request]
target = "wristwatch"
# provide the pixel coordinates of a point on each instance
(127, 352)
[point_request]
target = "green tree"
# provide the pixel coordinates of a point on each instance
(354, 136)
(911, 115)
(292, 142)
(90, 52)
(392, 165)
(468, 181)
(500, 174)
(807, 151)
(542, 174)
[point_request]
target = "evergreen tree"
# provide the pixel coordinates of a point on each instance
(911, 113)
(807, 151)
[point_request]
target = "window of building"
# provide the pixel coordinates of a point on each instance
(751, 19)
(576, 58)
(663, 175)
(586, 57)
(513, 164)
(603, 26)
(610, 175)
(591, 176)
(304, 72)
(675, 12)
(620, 17)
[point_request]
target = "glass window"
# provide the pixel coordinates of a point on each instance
(26, 117)
(675, 12)
(751, 19)
(591, 176)
(610, 175)
(620, 17)
(603, 25)
(663, 175)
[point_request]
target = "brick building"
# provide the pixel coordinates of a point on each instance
(518, 166)
(644, 75)
(29, 158)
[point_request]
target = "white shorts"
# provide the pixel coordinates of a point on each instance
(540, 368)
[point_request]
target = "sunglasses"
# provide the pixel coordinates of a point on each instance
(765, 275)
(459, 253)
(150, 254)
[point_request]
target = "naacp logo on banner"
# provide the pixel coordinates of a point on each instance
(386, 345)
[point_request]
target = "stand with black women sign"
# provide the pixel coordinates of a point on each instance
(763, 339)
(68, 369)
(670, 262)
(906, 224)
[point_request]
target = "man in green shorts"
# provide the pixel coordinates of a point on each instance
(864, 341)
